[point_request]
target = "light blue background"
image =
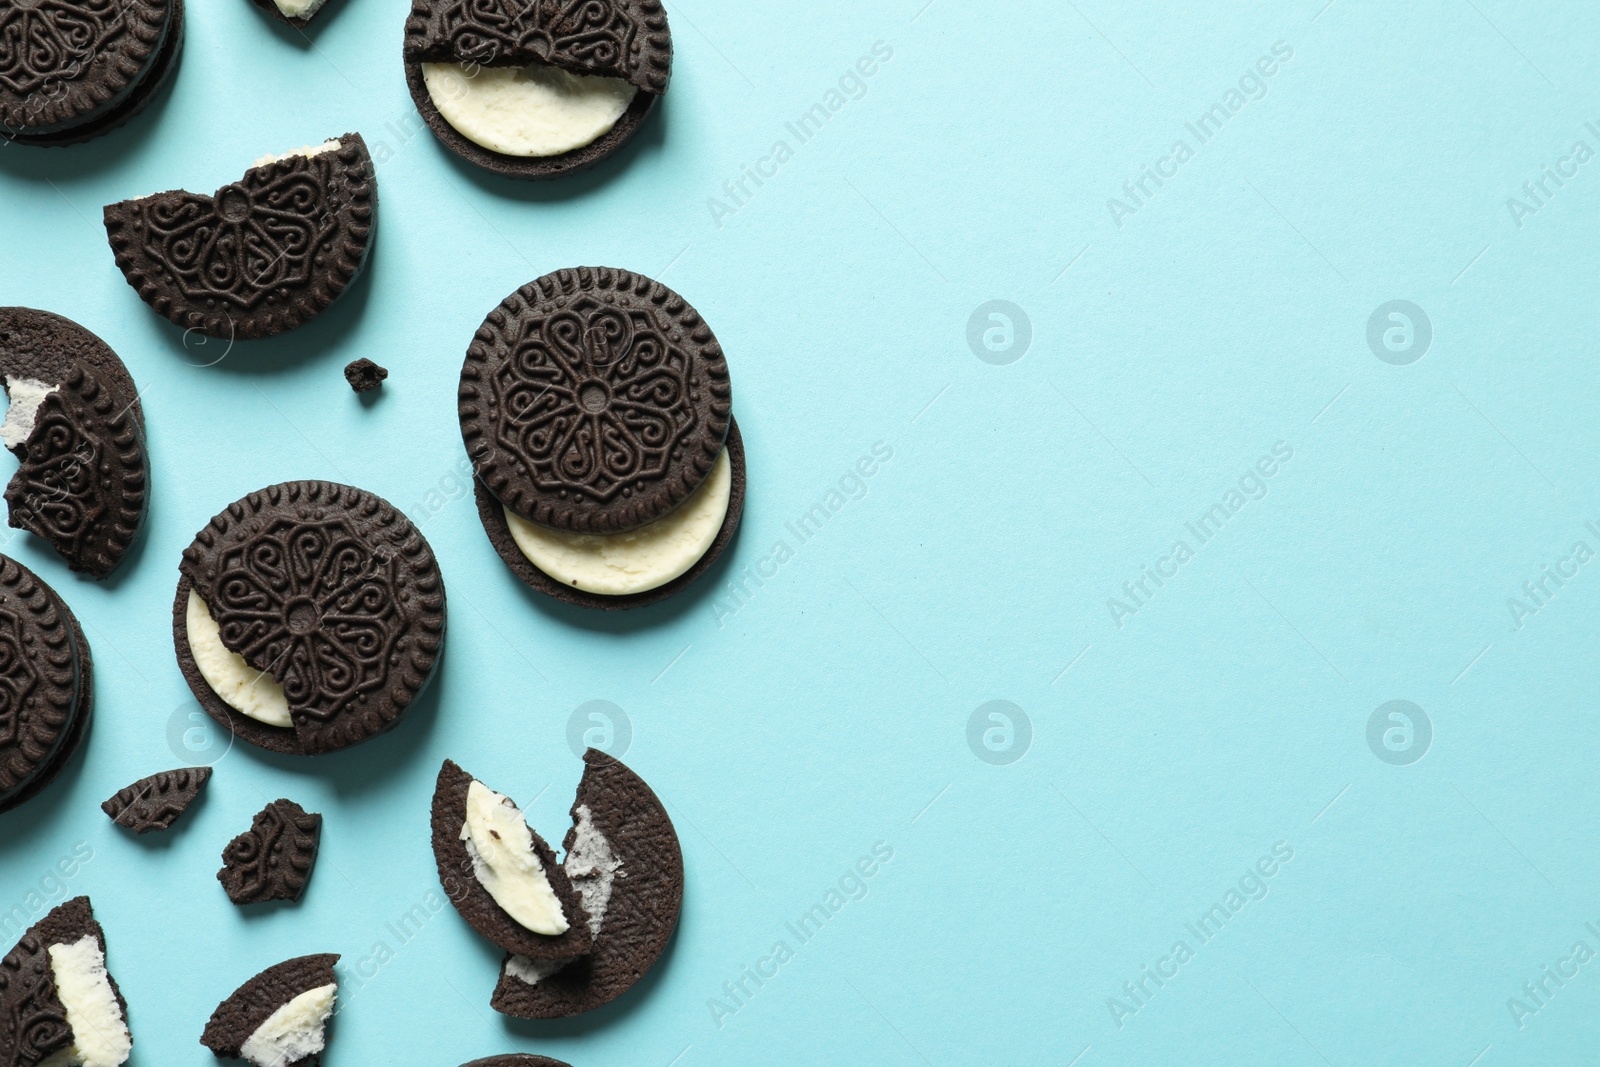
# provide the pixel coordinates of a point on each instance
(829, 712)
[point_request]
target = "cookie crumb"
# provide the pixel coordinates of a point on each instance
(365, 375)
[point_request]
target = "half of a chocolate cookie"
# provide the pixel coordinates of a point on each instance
(536, 88)
(154, 803)
(624, 859)
(58, 1003)
(260, 256)
(596, 407)
(273, 859)
(71, 70)
(75, 423)
(309, 617)
(280, 1017)
(46, 684)
(500, 875)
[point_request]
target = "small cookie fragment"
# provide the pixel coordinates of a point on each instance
(478, 883)
(279, 1018)
(46, 684)
(154, 803)
(273, 859)
(261, 255)
(624, 859)
(76, 426)
(365, 375)
(296, 13)
(58, 1003)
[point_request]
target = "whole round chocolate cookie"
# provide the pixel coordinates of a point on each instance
(46, 684)
(71, 70)
(536, 88)
(260, 256)
(594, 400)
(76, 425)
(309, 616)
(602, 570)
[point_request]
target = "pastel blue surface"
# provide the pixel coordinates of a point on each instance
(1196, 318)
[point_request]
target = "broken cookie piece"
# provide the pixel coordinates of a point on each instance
(364, 375)
(58, 1003)
(261, 255)
(308, 657)
(296, 13)
(624, 859)
(154, 803)
(280, 1017)
(500, 875)
(273, 859)
(75, 424)
(535, 89)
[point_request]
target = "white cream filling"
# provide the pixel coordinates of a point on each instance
(245, 689)
(26, 395)
(636, 561)
(296, 1030)
(593, 867)
(309, 151)
(299, 9)
(503, 860)
(100, 1035)
(526, 111)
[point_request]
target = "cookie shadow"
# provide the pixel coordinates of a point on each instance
(652, 137)
(42, 814)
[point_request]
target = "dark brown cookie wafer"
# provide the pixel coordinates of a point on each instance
(473, 901)
(76, 69)
(273, 859)
(83, 480)
(155, 802)
(33, 1021)
(646, 896)
(518, 1060)
(364, 375)
(46, 684)
(260, 256)
(331, 591)
(594, 400)
(492, 515)
(626, 39)
(242, 1014)
(299, 22)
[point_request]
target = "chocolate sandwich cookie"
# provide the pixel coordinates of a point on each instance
(155, 802)
(260, 256)
(273, 859)
(296, 13)
(280, 1017)
(58, 1003)
(624, 859)
(536, 88)
(309, 617)
(71, 70)
(46, 684)
(596, 407)
(500, 875)
(75, 424)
